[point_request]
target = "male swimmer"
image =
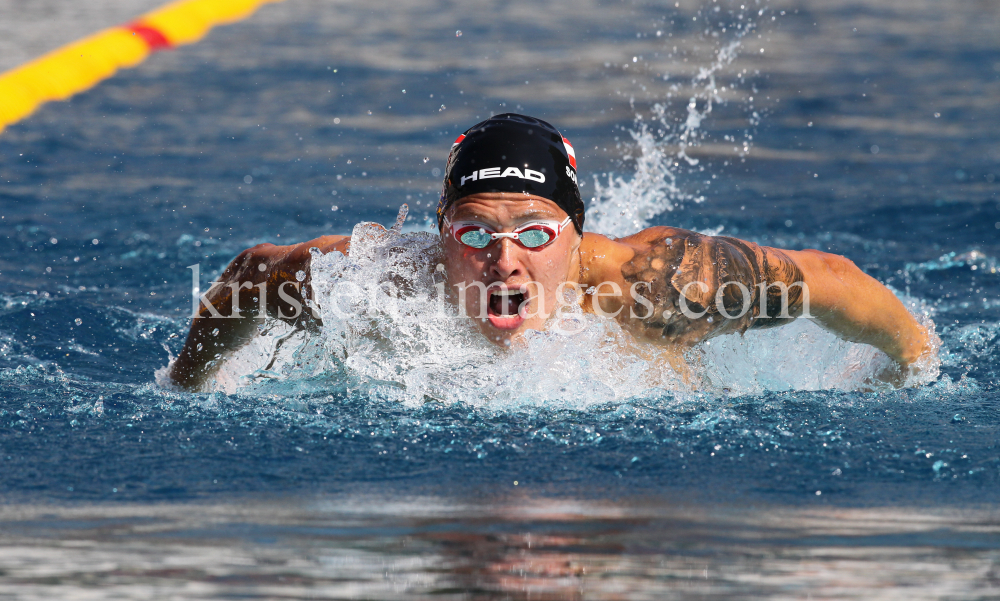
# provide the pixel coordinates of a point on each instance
(511, 225)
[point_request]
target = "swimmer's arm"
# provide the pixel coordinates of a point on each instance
(856, 307)
(842, 298)
(216, 331)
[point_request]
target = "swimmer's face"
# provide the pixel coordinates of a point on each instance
(504, 269)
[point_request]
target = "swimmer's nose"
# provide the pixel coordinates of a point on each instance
(508, 261)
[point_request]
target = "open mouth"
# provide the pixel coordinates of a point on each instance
(504, 308)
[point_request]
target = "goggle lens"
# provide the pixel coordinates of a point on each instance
(478, 238)
(533, 238)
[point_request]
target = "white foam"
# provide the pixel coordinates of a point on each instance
(387, 334)
(414, 348)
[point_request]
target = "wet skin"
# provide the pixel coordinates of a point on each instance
(666, 264)
(841, 297)
(506, 265)
(668, 267)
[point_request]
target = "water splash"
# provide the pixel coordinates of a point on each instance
(388, 334)
(623, 205)
(973, 260)
(803, 356)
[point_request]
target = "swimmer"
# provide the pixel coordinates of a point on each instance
(511, 225)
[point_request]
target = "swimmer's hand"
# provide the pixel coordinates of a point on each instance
(230, 310)
(909, 373)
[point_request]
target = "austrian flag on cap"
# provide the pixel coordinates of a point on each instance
(458, 140)
(569, 151)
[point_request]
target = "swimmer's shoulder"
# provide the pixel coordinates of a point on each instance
(603, 257)
(642, 240)
(661, 234)
(598, 244)
(325, 244)
(286, 258)
(329, 244)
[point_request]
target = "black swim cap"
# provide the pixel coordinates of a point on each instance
(513, 153)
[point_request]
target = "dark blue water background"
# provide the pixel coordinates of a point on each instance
(878, 139)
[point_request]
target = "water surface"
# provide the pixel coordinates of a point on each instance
(871, 132)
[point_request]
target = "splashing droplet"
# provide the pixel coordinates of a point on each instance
(458, 33)
(401, 217)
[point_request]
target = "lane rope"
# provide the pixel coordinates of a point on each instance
(80, 65)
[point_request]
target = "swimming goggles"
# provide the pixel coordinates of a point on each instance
(532, 235)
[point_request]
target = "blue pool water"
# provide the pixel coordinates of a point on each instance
(872, 132)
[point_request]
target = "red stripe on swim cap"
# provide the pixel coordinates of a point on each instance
(458, 140)
(570, 152)
(153, 37)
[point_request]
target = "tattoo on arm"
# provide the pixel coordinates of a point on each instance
(700, 286)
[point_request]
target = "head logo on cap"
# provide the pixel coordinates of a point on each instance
(513, 153)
